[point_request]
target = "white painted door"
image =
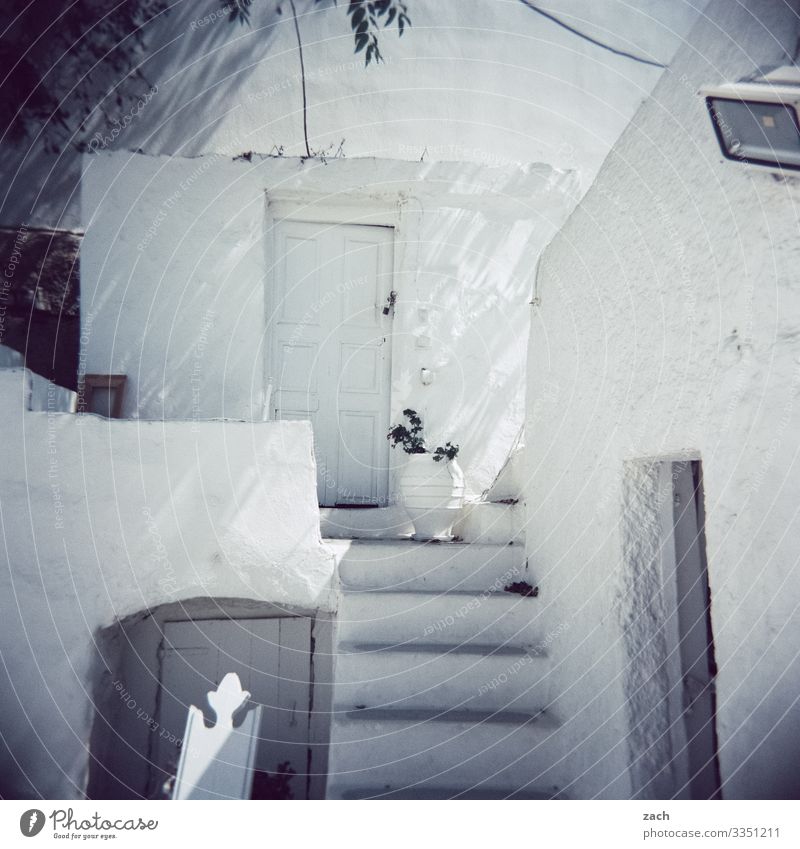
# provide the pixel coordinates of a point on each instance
(272, 658)
(331, 356)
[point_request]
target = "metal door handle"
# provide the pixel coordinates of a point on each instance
(390, 302)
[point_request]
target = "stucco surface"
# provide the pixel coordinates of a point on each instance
(103, 518)
(668, 325)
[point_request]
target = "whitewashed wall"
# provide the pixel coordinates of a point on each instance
(482, 81)
(475, 80)
(104, 518)
(669, 323)
(175, 267)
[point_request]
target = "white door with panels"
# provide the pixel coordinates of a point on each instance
(331, 316)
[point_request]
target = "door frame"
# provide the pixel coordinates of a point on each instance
(123, 747)
(350, 209)
(674, 568)
(652, 677)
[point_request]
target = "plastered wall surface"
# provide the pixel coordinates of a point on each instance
(176, 278)
(481, 81)
(667, 328)
(104, 518)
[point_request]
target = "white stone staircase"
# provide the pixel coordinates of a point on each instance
(491, 522)
(440, 678)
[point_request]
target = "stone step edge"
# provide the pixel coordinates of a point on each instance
(454, 793)
(411, 544)
(442, 649)
(371, 591)
(417, 716)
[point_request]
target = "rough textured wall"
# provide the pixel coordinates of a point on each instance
(176, 264)
(668, 324)
(643, 610)
(104, 518)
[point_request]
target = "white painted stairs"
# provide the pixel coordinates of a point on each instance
(440, 676)
(488, 522)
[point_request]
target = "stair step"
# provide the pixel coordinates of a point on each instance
(391, 523)
(440, 675)
(459, 595)
(492, 523)
(436, 793)
(434, 750)
(419, 716)
(462, 677)
(405, 618)
(410, 566)
(479, 649)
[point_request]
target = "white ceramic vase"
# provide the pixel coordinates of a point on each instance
(433, 494)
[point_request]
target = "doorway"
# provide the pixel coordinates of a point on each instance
(331, 315)
(690, 638)
(158, 662)
(272, 659)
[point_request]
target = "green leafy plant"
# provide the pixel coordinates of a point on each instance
(409, 437)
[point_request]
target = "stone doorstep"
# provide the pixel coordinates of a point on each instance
(481, 521)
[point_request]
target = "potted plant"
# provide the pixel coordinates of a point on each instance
(432, 484)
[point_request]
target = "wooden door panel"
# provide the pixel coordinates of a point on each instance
(359, 464)
(361, 371)
(272, 660)
(332, 351)
(363, 285)
(299, 278)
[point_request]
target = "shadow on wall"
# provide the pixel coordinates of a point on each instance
(476, 275)
(44, 187)
(39, 300)
(196, 35)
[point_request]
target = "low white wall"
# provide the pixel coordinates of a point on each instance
(668, 324)
(175, 267)
(103, 518)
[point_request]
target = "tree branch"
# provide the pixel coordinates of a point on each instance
(302, 77)
(616, 51)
